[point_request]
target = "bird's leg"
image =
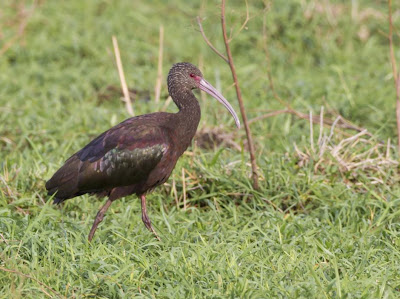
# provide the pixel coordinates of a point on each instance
(145, 217)
(99, 218)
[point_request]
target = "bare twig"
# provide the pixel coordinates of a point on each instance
(239, 96)
(125, 90)
(209, 43)
(33, 278)
(244, 23)
(273, 113)
(229, 60)
(157, 90)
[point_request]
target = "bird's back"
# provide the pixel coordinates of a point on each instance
(125, 155)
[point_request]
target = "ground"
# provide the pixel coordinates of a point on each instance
(325, 222)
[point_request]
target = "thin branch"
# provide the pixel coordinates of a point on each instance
(244, 23)
(125, 90)
(209, 43)
(274, 113)
(34, 279)
(239, 96)
(157, 89)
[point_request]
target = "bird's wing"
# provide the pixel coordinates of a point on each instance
(121, 156)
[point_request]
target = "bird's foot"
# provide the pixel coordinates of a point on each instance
(146, 219)
(99, 218)
(147, 222)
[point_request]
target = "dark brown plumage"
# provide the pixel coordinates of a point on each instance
(138, 154)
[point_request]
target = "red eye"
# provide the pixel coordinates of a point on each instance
(192, 75)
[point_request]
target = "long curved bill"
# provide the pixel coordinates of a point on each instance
(208, 88)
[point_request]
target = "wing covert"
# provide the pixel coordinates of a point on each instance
(121, 156)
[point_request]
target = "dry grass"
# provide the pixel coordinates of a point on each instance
(359, 153)
(126, 99)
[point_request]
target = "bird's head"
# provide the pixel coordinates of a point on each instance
(186, 76)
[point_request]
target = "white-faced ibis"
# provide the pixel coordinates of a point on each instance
(138, 154)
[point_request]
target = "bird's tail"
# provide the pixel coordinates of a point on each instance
(64, 183)
(57, 200)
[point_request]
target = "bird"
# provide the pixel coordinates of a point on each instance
(139, 153)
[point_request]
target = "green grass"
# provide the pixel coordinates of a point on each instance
(314, 230)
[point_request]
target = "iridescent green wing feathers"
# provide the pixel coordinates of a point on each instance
(121, 156)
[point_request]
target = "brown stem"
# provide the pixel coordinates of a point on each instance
(209, 43)
(244, 23)
(273, 113)
(239, 96)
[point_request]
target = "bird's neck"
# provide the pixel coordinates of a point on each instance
(188, 117)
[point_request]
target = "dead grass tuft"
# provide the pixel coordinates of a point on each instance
(6, 178)
(353, 156)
